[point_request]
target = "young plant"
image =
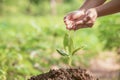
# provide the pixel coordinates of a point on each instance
(69, 49)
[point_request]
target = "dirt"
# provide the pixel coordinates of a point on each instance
(65, 74)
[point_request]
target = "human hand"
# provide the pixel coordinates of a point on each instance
(77, 20)
(71, 18)
(88, 20)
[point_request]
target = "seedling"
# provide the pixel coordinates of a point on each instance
(69, 49)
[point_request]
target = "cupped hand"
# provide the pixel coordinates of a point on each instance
(80, 19)
(71, 18)
(88, 20)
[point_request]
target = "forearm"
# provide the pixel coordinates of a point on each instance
(108, 8)
(91, 4)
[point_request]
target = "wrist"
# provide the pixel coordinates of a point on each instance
(88, 4)
(98, 11)
(84, 8)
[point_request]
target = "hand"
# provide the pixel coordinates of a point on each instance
(80, 19)
(88, 20)
(71, 18)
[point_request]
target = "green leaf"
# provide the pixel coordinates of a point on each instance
(62, 52)
(70, 45)
(76, 50)
(66, 41)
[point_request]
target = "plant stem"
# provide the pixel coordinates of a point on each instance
(69, 60)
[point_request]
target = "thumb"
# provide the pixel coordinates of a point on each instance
(77, 15)
(80, 22)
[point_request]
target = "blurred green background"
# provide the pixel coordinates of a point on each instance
(31, 30)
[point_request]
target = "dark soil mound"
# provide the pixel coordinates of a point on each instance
(65, 74)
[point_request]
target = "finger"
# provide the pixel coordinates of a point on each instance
(67, 22)
(89, 16)
(65, 19)
(70, 25)
(80, 27)
(90, 23)
(77, 14)
(68, 28)
(86, 19)
(77, 24)
(68, 16)
(73, 26)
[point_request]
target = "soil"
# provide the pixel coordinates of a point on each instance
(65, 74)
